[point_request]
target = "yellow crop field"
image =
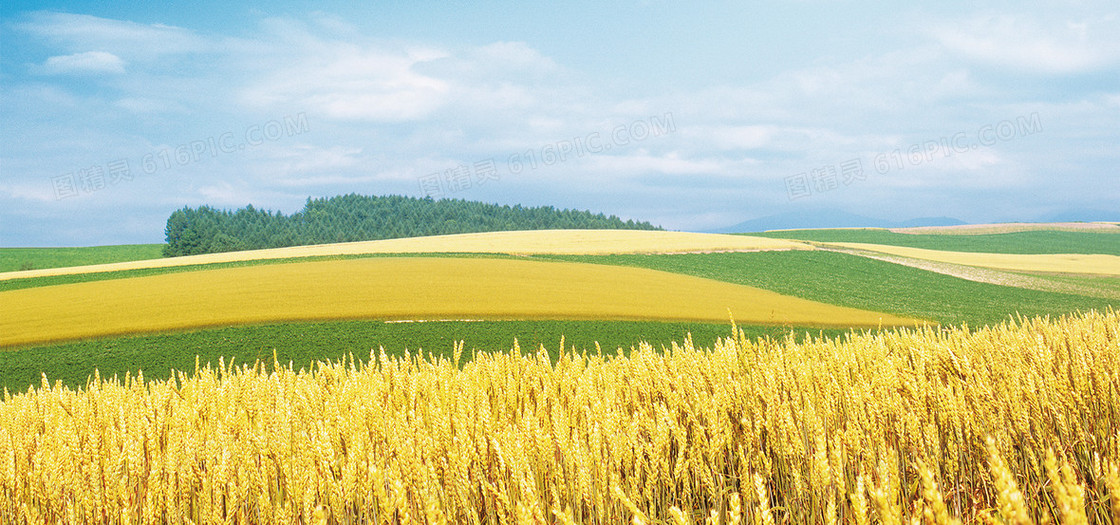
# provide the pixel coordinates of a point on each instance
(1090, 264)
(1013, 424)
(572, 242)
(398, 288)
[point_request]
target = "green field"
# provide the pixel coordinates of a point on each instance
(16, 259)
(302, 343)
(831, 277)
(859, 282)
(1104, 286)
(1037, 242)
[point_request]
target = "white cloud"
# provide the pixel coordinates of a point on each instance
(767, 137)
(292, 164)
(516, 56)
(35, 191)
(133, 41)
(348, 82)
(383, 113)
(224, 194)
(643, 162)
(955, 83)
(149, 105)
(1020, 43)
(741, 137)
(364, 80)
(87, 62)
(334, 24)
(494, 63)
(874, 94)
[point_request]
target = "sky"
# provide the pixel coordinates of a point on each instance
(693, 116)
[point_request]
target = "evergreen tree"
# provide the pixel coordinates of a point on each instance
(355, 217)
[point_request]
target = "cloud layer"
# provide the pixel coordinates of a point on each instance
(87, 62)
(205, 116)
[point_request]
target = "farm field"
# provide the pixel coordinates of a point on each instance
(17, 259)
(72, 278)
(816, 275)
(303, 343)
(1085, 264)
(1109, 287)
(1012, 422)
(864, 283)
(1039, 257)
(518, 243)
(1009, 227)
(399, 288)
(480, 263)
(1025, 242)
(646, 360)
(822, 276)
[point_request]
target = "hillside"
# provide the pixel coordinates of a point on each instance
(403, 289)
(351, 218)
(533, 242)
(794, 264)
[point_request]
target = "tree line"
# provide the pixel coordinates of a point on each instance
(353, 217)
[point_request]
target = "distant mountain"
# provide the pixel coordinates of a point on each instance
(1085, 215)
(929, 221)
(829, 218)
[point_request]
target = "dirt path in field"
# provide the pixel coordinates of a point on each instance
(982, 275)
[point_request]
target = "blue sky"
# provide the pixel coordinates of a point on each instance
(693, 117)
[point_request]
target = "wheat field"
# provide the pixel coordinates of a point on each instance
(1071, 263)
(1016, 423)
(399, 288)
(557, 242)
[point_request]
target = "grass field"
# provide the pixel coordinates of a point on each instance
(399, 288)
(828, 277)
(17, 259)
(823, 276)
(519, 243)
(860, 282)
(1106, 286)
(1009, 227)
(302, 343)
(1086, 264)
(1030, 242)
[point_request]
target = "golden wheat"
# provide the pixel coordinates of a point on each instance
(1014, 423)
(407, 288)
(1061, 263)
